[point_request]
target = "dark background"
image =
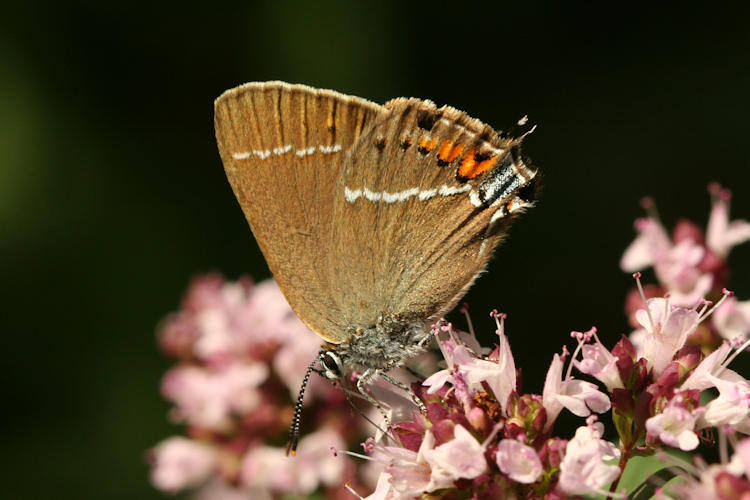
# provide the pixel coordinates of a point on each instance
(112, 194)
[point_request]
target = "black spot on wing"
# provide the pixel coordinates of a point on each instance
(426, 119)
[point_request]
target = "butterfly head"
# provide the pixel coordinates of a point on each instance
(333, 368)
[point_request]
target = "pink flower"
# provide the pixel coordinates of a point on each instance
(732, 319)
(732, 407)
(599, 362)
(666, 327)
(462, 457)
(438, 380)
(431, 468)
(722, 235)
(208, 398)
(675, 426)
(383, 489)
(712, 364)
(498, 371)
(180, 462)
(578, 396)
(650, 246)
(219, 324)
(552, 387)
(584, 469)
(267, 468)
(504, 384)
(741, 459)
(518, 461)
(411, 473)
(581, 398)
(682, 277)
(221, 320)
(239, 347)
(500, 376)
(675, 265)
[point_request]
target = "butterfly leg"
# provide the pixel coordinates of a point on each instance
(408, 390)
(368, 375)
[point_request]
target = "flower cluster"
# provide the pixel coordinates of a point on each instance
(480, 438)
(467, 431)
(242, 355)
(691, 265)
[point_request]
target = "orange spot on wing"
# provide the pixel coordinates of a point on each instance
(445, 150)
(455, 152)
(427, 143)
(470, 168)
(467, 165)
(449, 152)
(486, 164)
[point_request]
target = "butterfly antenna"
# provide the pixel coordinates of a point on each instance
(291, 446)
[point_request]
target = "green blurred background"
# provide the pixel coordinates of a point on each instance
(112, 194)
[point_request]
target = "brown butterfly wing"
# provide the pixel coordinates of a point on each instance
(418, 211)
(283, 148)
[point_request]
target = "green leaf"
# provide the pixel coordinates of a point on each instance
(637, 469)
(647, 488)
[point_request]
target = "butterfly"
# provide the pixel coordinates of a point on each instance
(374, 220)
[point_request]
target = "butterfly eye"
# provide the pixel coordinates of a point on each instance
(332, 365)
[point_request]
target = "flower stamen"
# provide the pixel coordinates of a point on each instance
(637, 277)
(725, 293)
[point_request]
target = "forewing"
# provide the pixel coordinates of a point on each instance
(422, 202)
(283, 147)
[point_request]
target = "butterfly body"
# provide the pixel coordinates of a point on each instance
(385, 345)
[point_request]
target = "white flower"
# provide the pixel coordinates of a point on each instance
(700, 378)
(411, 473)
(499, 374)
(732, 319)
(722, 235)
(651, 244)
(461, 457)
(674, 427)
(599, 362)
(383, 489)
(518, 461)
(732, 407)
(740, 463)
(675, 265)
(208, 398)
(578, 396)
(583, 469)
(667, 328)
(267, 468)
(581, 398)
(181, 463)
